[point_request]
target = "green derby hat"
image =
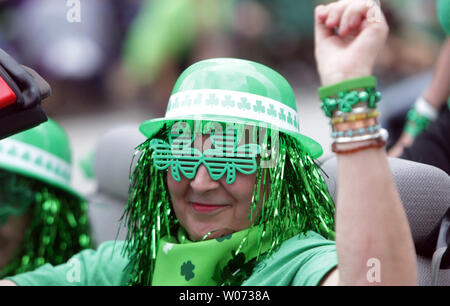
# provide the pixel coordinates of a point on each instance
(234, 91)
(41, 153)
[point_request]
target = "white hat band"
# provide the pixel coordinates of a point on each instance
(236, 104)
(34, 160)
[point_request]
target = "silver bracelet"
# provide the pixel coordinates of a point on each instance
(382, 133)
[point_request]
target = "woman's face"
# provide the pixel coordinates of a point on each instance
(203, 205)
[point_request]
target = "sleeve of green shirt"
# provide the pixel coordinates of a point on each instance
(301, 261)
(103, 267)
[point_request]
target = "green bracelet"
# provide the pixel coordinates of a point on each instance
(351, 84)
(346, 100)
(416, 123)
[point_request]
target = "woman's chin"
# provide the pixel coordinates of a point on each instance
(212, 234)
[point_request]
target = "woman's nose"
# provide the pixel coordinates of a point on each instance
(202, 182)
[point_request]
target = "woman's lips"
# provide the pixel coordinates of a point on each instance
(206, 208)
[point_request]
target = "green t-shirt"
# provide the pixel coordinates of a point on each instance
(301, 260)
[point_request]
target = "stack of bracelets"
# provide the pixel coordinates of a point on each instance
(419, 117)
(351, 105)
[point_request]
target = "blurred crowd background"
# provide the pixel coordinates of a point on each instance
(120, 59)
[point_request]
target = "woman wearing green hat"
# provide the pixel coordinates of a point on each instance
(226, 191)
(42, 219)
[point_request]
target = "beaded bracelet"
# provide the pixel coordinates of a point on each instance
(352, 133)
(416, 123)
(351, 106)
(343, 96)
(355, 116)
(346, 100)
(354, 140)
(419, 117)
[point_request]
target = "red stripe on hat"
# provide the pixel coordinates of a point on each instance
(7, 96)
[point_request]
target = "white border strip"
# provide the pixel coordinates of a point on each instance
(238, 104)
(32, 153)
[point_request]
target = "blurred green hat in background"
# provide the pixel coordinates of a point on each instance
(41, 153)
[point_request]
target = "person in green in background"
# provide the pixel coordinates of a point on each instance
(211, 204)
(425, 135)
(42, 219)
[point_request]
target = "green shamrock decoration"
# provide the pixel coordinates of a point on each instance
(289, 118)
(345, 101)
(235, 272)
(38, 161)
(212, 100)
(271, 111)
(186, 159)
(374, 98)
(49, 166)
(228, 102)
(282, 115)
(187, 270)
(26, 156)
(244, 104)
(259, 108)
(12, 151)
(225, 158)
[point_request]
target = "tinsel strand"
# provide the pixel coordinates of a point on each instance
(59, 226)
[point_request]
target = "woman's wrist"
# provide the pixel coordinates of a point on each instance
(351, 107)
(435, 100)
(419, 117)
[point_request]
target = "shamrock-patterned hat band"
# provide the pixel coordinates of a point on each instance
(19, 155)
(235, 104)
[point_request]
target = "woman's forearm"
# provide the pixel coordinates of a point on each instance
(372, 231)
(439, 89)
(371, 224)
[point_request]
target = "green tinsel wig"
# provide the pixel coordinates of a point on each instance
(58, 229)
(298, 201)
